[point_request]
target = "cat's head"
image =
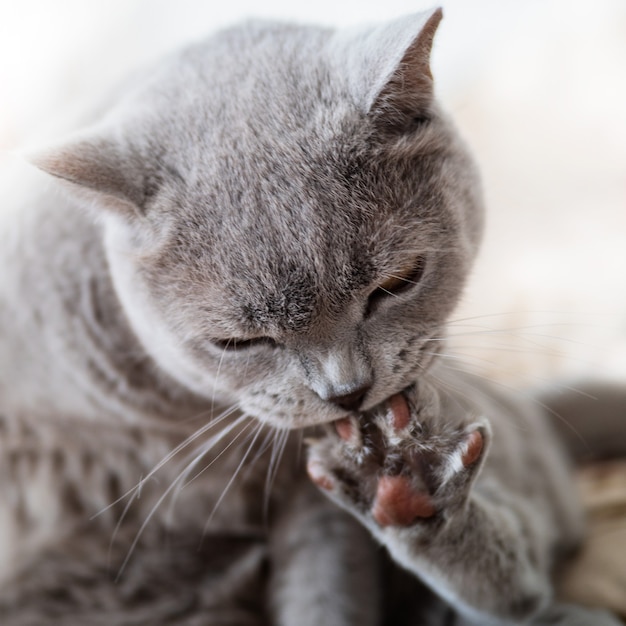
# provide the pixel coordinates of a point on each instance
(289, 217)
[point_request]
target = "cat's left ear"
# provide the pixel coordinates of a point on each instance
(390, 69)
(103, 170)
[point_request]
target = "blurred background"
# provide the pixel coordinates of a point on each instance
(538, 89)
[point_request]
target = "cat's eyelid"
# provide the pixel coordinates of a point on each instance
(234, 344)
(401, 279)
(408, 276)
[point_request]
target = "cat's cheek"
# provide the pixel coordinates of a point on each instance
(401, 362)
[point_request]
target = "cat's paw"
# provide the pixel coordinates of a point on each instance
(399, 467)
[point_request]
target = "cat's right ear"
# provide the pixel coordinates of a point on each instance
(389, 69)
(95, 168)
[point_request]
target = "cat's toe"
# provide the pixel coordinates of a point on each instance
(338, 465)
(473, 448)
(347, 428)
(319, 475)
(460, 466)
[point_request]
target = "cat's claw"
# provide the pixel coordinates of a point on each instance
(398, 467)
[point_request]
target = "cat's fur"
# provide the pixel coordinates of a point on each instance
(265, 186)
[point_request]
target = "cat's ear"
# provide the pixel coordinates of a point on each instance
(390, 69)
(97, 168)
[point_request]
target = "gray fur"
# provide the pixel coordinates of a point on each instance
(260, 186)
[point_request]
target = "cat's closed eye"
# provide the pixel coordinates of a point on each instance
(234, 344)
(395, 284)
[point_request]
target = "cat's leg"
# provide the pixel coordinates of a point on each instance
(324, 564)
(481, 550)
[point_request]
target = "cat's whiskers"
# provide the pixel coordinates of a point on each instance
(389, 293)
(280, 437)
(180, 478)
(217, 376)
(463, 358)
(500, 347)
(207, 448)
(527, 396)
(198, 433)
(122, 517)
(469, 393)
(518, 313)
(254, 436)
(266, 444)
(478, 361)
(520, 332)
(387, 275)
(135, 492)
(177, 482)
(136, 489)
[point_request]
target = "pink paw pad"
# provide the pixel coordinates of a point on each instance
(397, 504)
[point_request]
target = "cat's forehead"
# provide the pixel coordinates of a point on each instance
(289, 259)
(266, 75)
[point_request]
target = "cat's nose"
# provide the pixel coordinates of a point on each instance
(351, 401)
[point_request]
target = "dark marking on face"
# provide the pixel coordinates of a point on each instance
(290, 306)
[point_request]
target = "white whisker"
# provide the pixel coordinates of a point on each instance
(221, 453)
(217, 376)
(181, 446)
(272, 469)
(233, 477)
(180, 477)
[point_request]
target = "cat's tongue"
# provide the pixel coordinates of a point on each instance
(399, 411)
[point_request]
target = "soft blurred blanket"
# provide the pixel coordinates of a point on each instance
(598, 576)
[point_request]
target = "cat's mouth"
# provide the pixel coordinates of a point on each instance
(395, 410)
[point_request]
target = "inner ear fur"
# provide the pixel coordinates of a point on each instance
(96, 169)
(406, 96)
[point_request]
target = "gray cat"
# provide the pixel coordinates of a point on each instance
(263, 234)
